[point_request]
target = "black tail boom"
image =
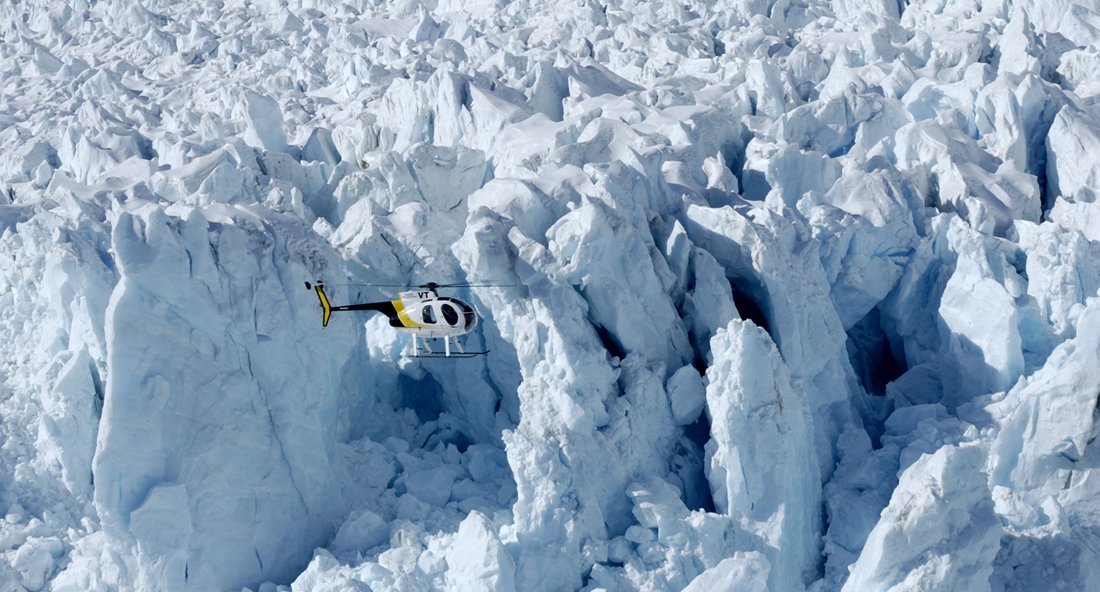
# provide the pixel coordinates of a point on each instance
(385, 307)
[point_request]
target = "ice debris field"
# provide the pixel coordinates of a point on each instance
(800, 295)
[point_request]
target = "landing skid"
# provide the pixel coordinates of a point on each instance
(448, 352)
(451, 355)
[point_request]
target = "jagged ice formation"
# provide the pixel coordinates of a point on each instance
(802, 295)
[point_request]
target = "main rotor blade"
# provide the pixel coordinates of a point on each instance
(375, 285)
(429, 285)
(462, 285)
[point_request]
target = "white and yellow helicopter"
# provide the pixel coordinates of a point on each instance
(421, 312)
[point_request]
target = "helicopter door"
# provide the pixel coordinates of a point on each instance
(450, 315)
(429, 314)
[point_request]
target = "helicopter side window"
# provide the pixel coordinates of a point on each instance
(429, 315)
(449, 314)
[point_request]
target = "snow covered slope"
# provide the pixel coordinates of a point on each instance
(797, 295)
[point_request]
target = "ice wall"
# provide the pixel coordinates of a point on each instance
(222, 399)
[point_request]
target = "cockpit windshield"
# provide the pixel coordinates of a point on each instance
(469, 318)
(449, 314)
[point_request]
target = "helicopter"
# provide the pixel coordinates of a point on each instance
(421, 312)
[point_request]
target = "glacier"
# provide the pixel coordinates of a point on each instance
(779, 295)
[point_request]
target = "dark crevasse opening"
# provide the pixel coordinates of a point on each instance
(423, 395)
(1046, 197)
(733, 153)
(698, 340)
(749, 306)
(698, 361)
(874, 360)
(612, 345)
(445, 431)
(687, 465)
(426, 398)
(754, 186)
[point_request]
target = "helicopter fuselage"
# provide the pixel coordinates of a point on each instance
(428, 315)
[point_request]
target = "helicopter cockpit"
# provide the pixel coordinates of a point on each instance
(448, 312)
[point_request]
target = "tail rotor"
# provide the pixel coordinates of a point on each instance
(326, 308)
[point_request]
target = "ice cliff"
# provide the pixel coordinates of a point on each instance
(791, 295)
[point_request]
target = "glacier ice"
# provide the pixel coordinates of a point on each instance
(939, 529)
(785, 295)
(1070, 173)
(164, 429)
(752, 408)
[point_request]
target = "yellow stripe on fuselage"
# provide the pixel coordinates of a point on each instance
(403, 315)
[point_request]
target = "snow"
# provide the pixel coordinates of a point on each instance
(785, 295)
(741, 572)
(477, 561)
(686, 395)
